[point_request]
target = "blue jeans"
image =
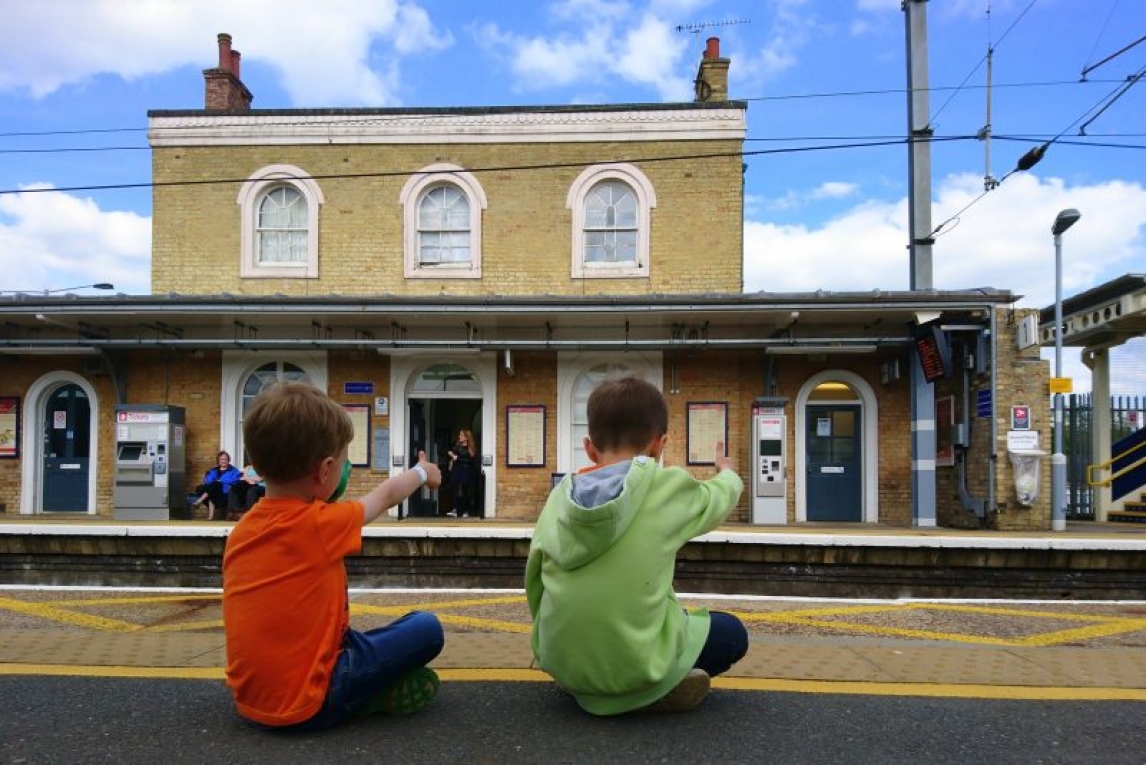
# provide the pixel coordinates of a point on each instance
(372, 661)
(726, 644)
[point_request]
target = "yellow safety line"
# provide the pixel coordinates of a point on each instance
(934, 690)
(51, 612)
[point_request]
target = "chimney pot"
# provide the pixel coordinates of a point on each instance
(712, 49)
(235, 63)
(225, 51)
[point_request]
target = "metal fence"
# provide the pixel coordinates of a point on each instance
(1126, 417)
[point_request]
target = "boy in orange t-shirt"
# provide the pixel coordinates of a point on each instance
(292, 658)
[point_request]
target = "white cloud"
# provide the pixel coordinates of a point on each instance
(51, 239)
(1002, 241)
(323, 50)
(595, 43)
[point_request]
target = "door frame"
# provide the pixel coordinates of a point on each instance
(32, 441)
(869, 419)
(403, 369)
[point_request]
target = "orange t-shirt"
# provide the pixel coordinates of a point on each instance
(285, 606)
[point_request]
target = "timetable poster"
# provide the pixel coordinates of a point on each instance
(9, 427)
(707, 431)
(525, 435)
(359, 451)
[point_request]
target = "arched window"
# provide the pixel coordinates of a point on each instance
(579, 409)
(281, 229)
(259, 380)
(279, 205)
(444, 227)
(612, 215)
(442, 222)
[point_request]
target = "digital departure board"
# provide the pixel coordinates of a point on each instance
(934, 351)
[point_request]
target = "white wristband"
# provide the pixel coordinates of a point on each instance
(421, 471)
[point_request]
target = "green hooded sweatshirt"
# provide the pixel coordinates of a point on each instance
(606, 623)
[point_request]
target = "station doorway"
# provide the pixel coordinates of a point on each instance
(442, 401)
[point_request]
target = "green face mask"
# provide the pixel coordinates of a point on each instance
(341, 483)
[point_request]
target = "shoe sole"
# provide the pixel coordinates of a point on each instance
(412, 693)
(687, 694)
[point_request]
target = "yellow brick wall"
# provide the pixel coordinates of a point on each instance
(526, 243)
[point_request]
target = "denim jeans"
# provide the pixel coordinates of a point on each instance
(726, 644)
(372, 661)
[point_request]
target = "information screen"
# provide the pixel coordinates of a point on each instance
(934, 352)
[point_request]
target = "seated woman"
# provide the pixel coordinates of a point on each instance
(217, 485)
(245, 493)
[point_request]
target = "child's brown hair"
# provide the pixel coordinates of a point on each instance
(291, 427)
(626, 413)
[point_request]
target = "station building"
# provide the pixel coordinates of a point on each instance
(435, 269)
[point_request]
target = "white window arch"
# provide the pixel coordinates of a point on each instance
(612, 216)
(245, 373)
(442, 208)
(577, 375)
(279, 208)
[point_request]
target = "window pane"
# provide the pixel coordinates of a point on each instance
(444, 226)
(610, 233)
(282, 226)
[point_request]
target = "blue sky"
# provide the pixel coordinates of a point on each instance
(78, 76)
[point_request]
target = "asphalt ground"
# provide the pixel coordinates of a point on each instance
(113, 675)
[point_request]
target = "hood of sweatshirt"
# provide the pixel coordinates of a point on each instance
(594, 509)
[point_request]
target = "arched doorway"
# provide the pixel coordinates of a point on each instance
(61, 444)
(442, 400)
(836, 449)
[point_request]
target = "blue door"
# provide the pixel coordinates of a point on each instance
(67, 446)
(834, 463)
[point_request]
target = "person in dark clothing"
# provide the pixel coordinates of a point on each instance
(217, 485)
(464, 474)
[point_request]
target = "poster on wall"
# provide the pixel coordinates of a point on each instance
(359, 451)
(525, 435)
(9, 427)
(944, 431)
(707, 426)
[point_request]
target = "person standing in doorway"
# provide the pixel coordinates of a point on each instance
(464, 474)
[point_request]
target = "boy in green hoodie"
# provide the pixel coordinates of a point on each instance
(606, 623)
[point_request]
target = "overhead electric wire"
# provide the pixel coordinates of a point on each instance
(385, 118)
(499, 168)
(990, 49)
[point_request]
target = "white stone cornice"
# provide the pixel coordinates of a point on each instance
(410, 128)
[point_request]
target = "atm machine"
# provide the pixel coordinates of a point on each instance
(769, 464)
(149, 462)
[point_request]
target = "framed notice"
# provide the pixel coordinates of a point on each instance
(707, 425)
(525, 435)
(9, 427)
(944, 431)
(359, 452)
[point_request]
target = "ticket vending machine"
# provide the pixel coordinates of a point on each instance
(149, 462)
(769, 465)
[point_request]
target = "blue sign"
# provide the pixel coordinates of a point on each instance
(983, 402)
(352, 388)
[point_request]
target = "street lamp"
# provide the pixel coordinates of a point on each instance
(1064, 220)
(46, 292)
(96, 286)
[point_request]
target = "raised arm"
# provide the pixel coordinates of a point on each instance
(397, 487)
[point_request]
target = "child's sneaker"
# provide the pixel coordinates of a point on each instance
(687, 694)
(410, 694)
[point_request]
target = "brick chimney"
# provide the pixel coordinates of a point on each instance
(225, 91)
(712, 77)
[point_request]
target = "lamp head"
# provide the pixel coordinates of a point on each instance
(1064, 220)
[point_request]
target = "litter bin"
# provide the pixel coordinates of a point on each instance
(1027, 465)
